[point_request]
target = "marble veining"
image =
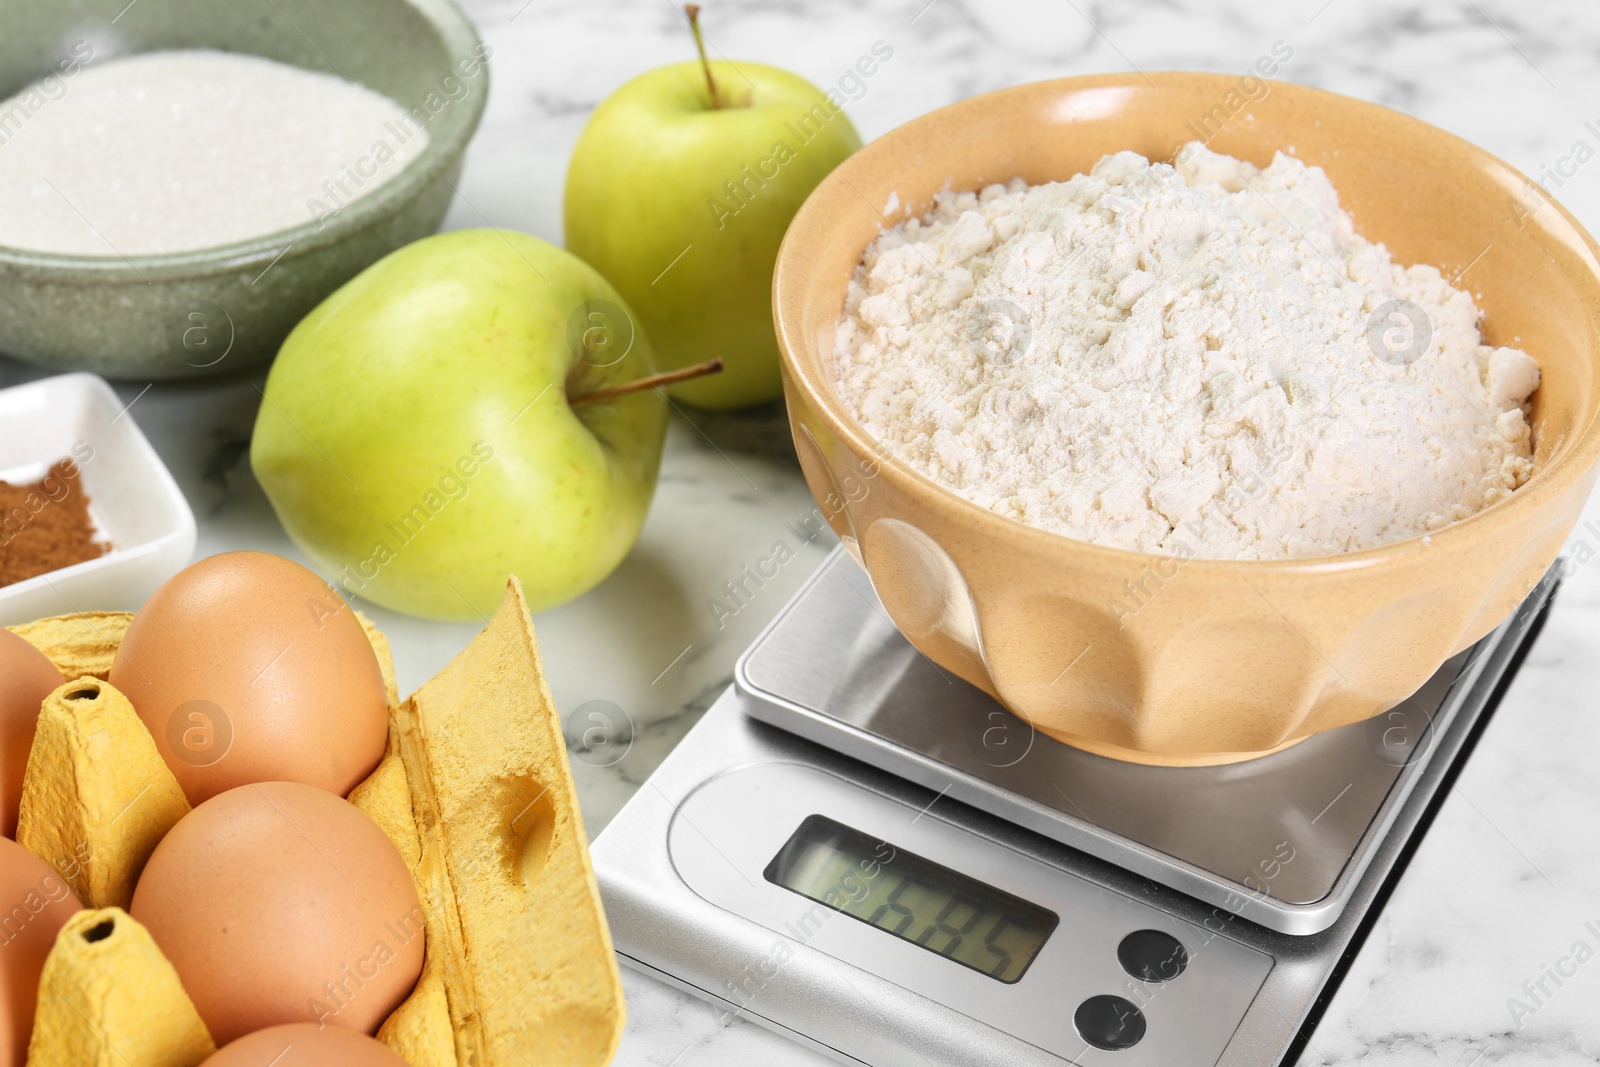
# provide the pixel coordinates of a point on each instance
(1477, 959)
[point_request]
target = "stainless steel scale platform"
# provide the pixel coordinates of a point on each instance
(864, 853)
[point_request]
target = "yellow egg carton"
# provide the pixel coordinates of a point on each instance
(475, 791)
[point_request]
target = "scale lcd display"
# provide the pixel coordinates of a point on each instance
(914, 899)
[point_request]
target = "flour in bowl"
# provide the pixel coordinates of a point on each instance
(1199, 359)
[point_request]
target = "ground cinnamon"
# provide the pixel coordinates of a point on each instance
(45, 525)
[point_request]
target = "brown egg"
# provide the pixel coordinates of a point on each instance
(246, 667)
(26, 677)
(281, 903)
(34, 903)
(305, 1045)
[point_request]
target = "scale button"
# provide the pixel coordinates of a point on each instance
(1152, 956)
(1109, 1022)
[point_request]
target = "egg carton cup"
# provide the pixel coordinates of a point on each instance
(474, 790)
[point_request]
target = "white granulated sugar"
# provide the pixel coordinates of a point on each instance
(182, 150)
(1202, 359)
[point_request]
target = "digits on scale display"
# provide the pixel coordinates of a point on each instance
(915, 899)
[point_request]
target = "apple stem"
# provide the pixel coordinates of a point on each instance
(693, 11)
(670, 377)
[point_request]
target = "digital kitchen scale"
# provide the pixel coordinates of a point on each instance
(865, 854)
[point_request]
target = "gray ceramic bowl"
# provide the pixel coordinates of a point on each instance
(193, 313)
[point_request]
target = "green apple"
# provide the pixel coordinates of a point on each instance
(682, 206)
(423, 434)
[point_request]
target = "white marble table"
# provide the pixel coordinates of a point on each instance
(1509, 874)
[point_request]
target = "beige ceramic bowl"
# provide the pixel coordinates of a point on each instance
(1227, 659)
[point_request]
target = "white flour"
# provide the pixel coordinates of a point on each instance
(1203, 360)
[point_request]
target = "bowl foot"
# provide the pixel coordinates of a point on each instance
(1164, 759)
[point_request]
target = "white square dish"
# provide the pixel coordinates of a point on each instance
(133, 500)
